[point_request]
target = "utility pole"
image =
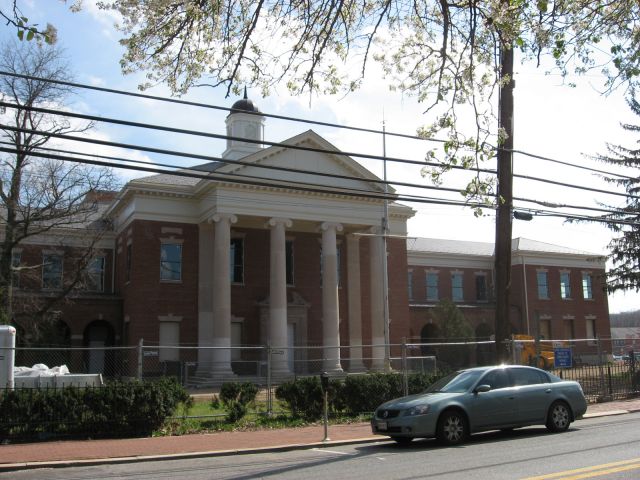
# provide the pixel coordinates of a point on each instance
(505, 205)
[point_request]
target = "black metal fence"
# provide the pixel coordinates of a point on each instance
(602, 383)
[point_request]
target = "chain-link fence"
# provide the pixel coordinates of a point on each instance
(589, 361)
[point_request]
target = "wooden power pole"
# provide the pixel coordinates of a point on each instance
(504, 207)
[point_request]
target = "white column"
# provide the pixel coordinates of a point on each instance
(222, 294)
(330, 312)
(205, 301)
(278, 296)
(377, 300)
(355, 304)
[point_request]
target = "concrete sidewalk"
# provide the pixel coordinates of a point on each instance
(91, 452)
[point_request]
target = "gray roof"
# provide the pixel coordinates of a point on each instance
(527, 245)
(463, 247)
(438, 245)
(169, 179)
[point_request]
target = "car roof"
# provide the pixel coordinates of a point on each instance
(486, 368)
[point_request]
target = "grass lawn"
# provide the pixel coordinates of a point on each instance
(205, 416)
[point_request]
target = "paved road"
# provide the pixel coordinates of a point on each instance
(604, 448)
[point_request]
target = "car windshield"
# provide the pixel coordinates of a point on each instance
(457, 382)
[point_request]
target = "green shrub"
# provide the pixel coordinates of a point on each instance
(116, 409)
(235, 397)
(303, 396)
(355, 395)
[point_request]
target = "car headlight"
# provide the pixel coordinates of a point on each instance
(417, 410)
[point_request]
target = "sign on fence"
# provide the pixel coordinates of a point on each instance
(562, 357)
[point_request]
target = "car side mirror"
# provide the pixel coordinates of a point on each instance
(482, 388)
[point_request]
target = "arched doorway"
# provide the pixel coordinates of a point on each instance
(484, 351)
(430, 333)
(99, 335)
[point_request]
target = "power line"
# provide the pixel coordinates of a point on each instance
(301, 186)
(218, 136)
(207, 158)
(569, 164)
(283, 145)
(216, 107)
(405, 197)
(296, 119)
(255, 181)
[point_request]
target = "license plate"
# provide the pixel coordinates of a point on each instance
(382, 425)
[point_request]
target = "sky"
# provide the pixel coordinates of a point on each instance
(551, 119)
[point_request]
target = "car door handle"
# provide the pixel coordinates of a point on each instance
(548, 390)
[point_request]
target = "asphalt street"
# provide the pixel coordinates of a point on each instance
(604, 447)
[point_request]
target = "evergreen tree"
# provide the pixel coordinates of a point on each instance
(625, 222)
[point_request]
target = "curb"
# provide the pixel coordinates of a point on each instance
(9, 467)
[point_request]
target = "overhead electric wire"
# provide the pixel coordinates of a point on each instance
(255, 181)
(218, 136)
(579, 187)
(311, 187)
(294, 119)
(568, 164)
(208, 158)
(336, 152)
(295, 147)
(406, 197)
(217, 107)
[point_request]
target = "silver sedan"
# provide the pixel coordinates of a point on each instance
(479, 399)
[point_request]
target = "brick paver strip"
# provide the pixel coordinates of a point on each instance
(214, 442)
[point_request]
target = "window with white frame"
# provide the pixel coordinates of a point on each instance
(543, 284)
(457, 292)
(170, 262)
(587, 286)
(432, 286)
(95, 275)
(565, 285)
(236, 260)
(481, 288)
(51, 271)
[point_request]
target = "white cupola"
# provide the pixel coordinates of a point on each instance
(244, 121)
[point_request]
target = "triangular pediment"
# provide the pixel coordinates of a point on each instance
(307, 163)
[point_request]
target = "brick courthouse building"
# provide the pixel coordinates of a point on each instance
(229, 254)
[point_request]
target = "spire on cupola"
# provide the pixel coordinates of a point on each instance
(244, 121)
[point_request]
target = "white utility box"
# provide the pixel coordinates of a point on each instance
(7, 355)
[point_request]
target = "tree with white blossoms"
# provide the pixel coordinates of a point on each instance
(445, 53)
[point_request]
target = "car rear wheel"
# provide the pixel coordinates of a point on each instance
(559, 417)
(402, 440)
(452, 428)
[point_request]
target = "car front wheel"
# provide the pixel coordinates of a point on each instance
(452, 428)
(559, 417)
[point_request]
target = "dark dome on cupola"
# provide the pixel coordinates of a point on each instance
(244, 105)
